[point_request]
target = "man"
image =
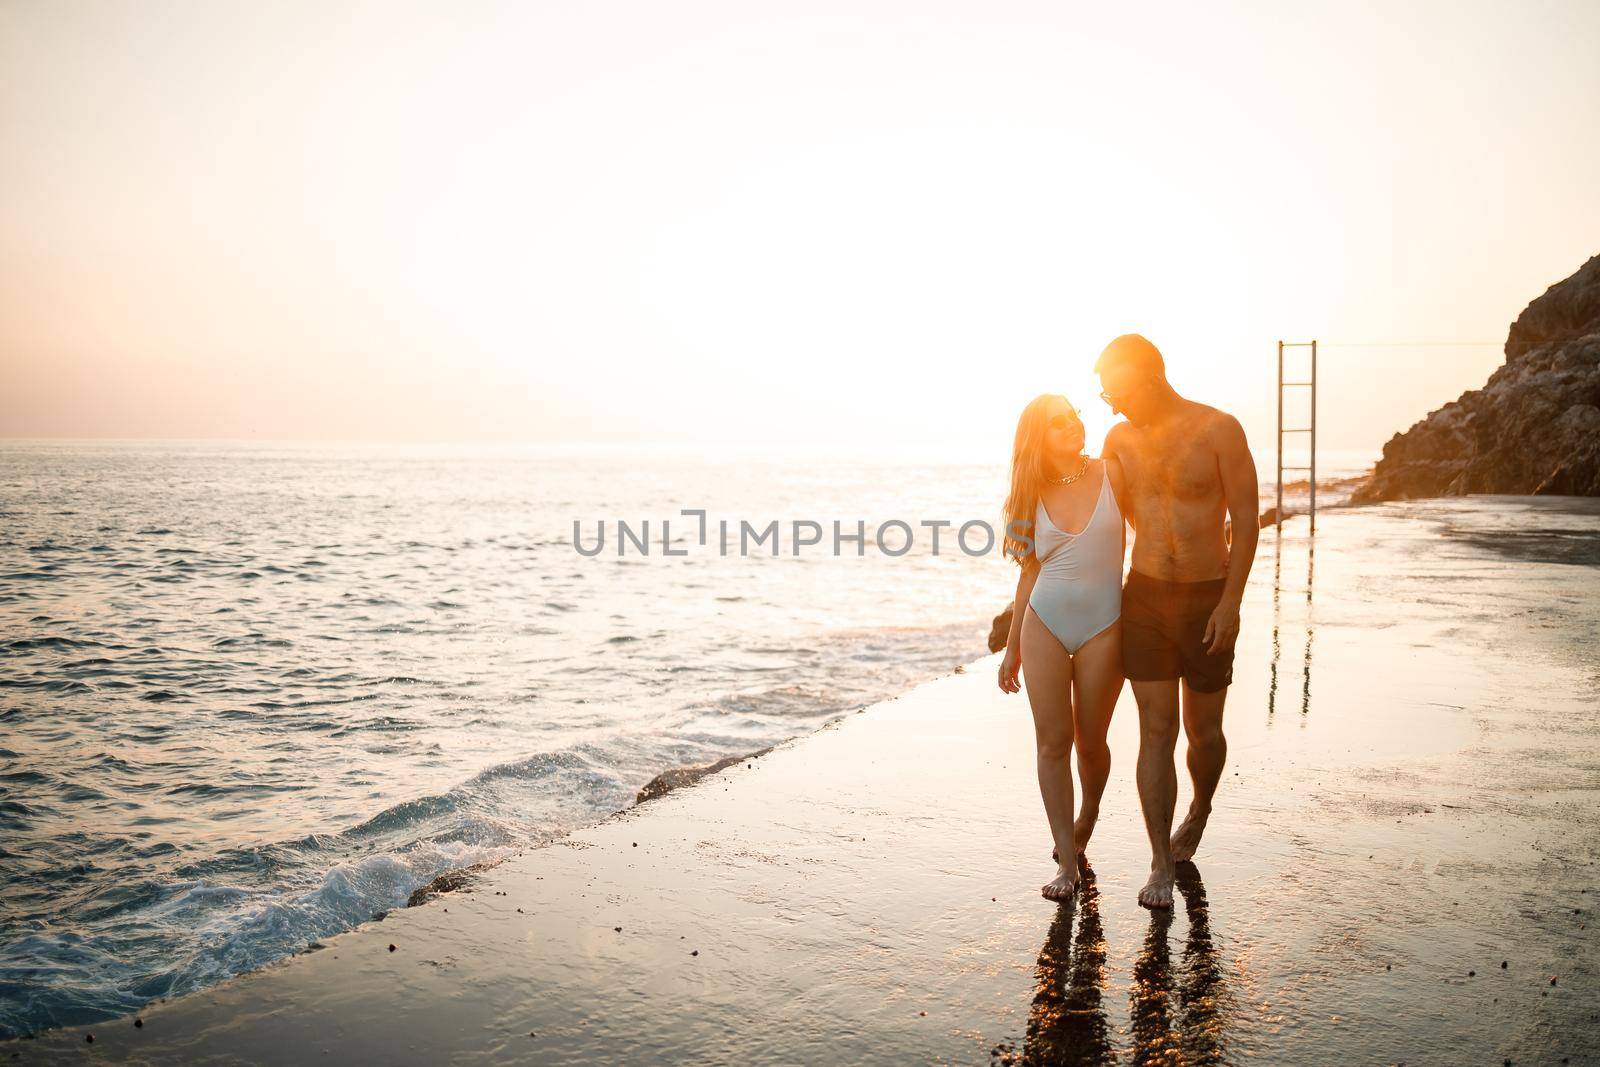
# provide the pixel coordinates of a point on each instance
(1187, 469)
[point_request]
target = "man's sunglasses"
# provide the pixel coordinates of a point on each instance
(1116, 401)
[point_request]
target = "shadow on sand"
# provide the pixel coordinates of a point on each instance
(1176, 1019)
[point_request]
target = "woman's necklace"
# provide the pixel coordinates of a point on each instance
(1068, 479)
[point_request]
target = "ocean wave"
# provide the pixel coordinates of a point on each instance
(61, 977)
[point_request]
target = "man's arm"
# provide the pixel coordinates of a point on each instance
(1117, 470)
(1241, 493)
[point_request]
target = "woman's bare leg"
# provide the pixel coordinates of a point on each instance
(1096, 682)
(1047, 675)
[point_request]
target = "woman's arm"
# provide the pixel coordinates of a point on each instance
(1025, 580)
(1011, 662)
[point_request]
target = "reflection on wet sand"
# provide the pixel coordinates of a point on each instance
(1202, 1007)
(1277, 627)
(1173, 1021)
(1067, 1023)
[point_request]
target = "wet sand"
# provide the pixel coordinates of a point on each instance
(1403, 866)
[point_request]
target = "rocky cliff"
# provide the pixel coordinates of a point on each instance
(1535, 425)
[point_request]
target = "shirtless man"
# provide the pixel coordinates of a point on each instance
(1187, 468)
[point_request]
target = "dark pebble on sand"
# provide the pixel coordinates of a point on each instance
(89, 1038)
(1472, 974)
(138, 1024)
(1552, 981)
(391, 948)
(636, 844)
(519, 911)
(1504, 964)
(696, 952)
(922, 1013)
(618, 929)
(1387, 967)
(532, 1033)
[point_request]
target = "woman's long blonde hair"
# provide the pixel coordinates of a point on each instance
(1028, 475)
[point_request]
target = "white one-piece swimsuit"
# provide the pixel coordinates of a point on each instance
(1079, 589)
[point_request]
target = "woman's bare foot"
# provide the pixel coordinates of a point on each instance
(1083, 829)
(1157, 892)
(1186, 839)
(1065, 884)
(1080, 832)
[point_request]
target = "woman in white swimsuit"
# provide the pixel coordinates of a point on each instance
(1064, 526)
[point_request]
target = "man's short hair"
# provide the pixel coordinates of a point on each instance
(1132, 350)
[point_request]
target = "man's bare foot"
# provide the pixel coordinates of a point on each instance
(1186, 839)
(1083, 829)
(1064, 886)
(1157, 892)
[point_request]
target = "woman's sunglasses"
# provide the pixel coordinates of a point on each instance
(1061, 422)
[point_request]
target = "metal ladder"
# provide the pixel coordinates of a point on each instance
(1311, 471)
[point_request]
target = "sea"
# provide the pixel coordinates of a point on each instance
(252, 695)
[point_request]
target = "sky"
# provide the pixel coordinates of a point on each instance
(863, 225)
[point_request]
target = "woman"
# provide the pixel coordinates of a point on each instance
(1064, 527)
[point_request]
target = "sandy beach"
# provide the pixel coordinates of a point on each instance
(1402, 866)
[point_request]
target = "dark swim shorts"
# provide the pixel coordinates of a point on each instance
(1163, 624)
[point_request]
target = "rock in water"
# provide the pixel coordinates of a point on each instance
(1000, 629)
(678, 777)
(1535, 425)
(448, 882)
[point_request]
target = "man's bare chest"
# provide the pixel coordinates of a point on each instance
(1172, 470)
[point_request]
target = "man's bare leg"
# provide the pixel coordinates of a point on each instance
(1208, 751)
(1047, 676)
(1097, 682)
(1158, 782)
